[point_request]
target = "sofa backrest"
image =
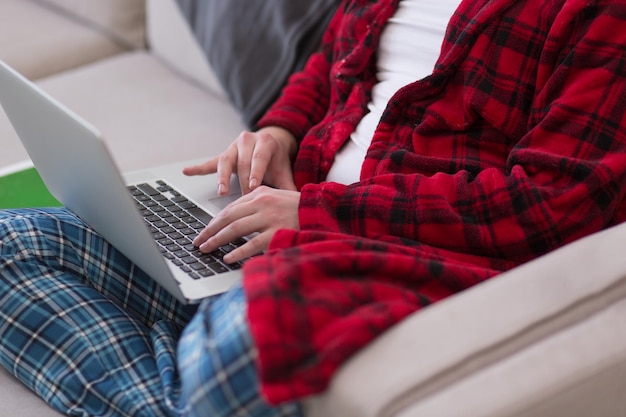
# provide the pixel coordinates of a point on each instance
(123, 20)
(169, 38)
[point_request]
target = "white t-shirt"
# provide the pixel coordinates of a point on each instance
(401, 61)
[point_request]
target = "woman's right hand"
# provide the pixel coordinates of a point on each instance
(262, 157)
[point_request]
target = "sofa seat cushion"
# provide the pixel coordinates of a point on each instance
(18, 401)
(147, 114)
(47, 41)
(13, 153)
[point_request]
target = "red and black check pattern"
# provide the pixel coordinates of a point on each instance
(515, 145)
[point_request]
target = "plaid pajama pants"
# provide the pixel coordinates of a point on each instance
(94, 336)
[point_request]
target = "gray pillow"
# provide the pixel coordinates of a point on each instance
(254, 45)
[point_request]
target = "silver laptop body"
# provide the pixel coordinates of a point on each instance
(76, 166)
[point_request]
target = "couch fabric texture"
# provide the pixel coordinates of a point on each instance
(544, 339)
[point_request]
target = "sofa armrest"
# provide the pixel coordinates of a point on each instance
(541, 337)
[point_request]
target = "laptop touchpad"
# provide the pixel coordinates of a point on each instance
(221, 202)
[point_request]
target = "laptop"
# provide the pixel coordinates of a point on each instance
(151, 216)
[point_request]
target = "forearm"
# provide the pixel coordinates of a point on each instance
(496, 215)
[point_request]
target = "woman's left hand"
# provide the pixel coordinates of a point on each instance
(264, 210)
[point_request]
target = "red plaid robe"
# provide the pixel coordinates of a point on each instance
(515, 145)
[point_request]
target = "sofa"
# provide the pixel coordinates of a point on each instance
(544, 339)
(118, 64)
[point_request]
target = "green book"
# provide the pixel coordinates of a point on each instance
(24, 189)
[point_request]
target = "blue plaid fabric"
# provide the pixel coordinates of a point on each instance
(216, 357)
(94, 336)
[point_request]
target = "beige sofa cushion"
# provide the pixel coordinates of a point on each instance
(124, 20)
(47, 42)
(579, 371)
(531, 340)
(13, 153)
(19, 401)
(147, 114)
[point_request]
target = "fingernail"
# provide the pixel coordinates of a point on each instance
(252, 183)
(220, 188)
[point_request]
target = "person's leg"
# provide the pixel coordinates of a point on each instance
(216, 359)
(79, 324)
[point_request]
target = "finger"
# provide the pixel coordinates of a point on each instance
(254, 246)
(236, 229)
(246, 145)
(231, 213)
(261, 158)
(208, 167)
(226, 163)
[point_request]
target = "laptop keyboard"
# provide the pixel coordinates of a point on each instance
(174, 222)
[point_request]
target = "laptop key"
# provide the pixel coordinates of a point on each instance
(197, 266)
(134, 191)
(227, 248)
(200, 214)
(196, 225)
(174, 235)
(217, 267)
(206, 272)
(188, 231)
(178, 224)
(148, 189)
(164, 188)
(189, 260)
(186, 205)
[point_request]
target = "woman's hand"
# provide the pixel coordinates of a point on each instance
(258, 157)
(264, 210)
